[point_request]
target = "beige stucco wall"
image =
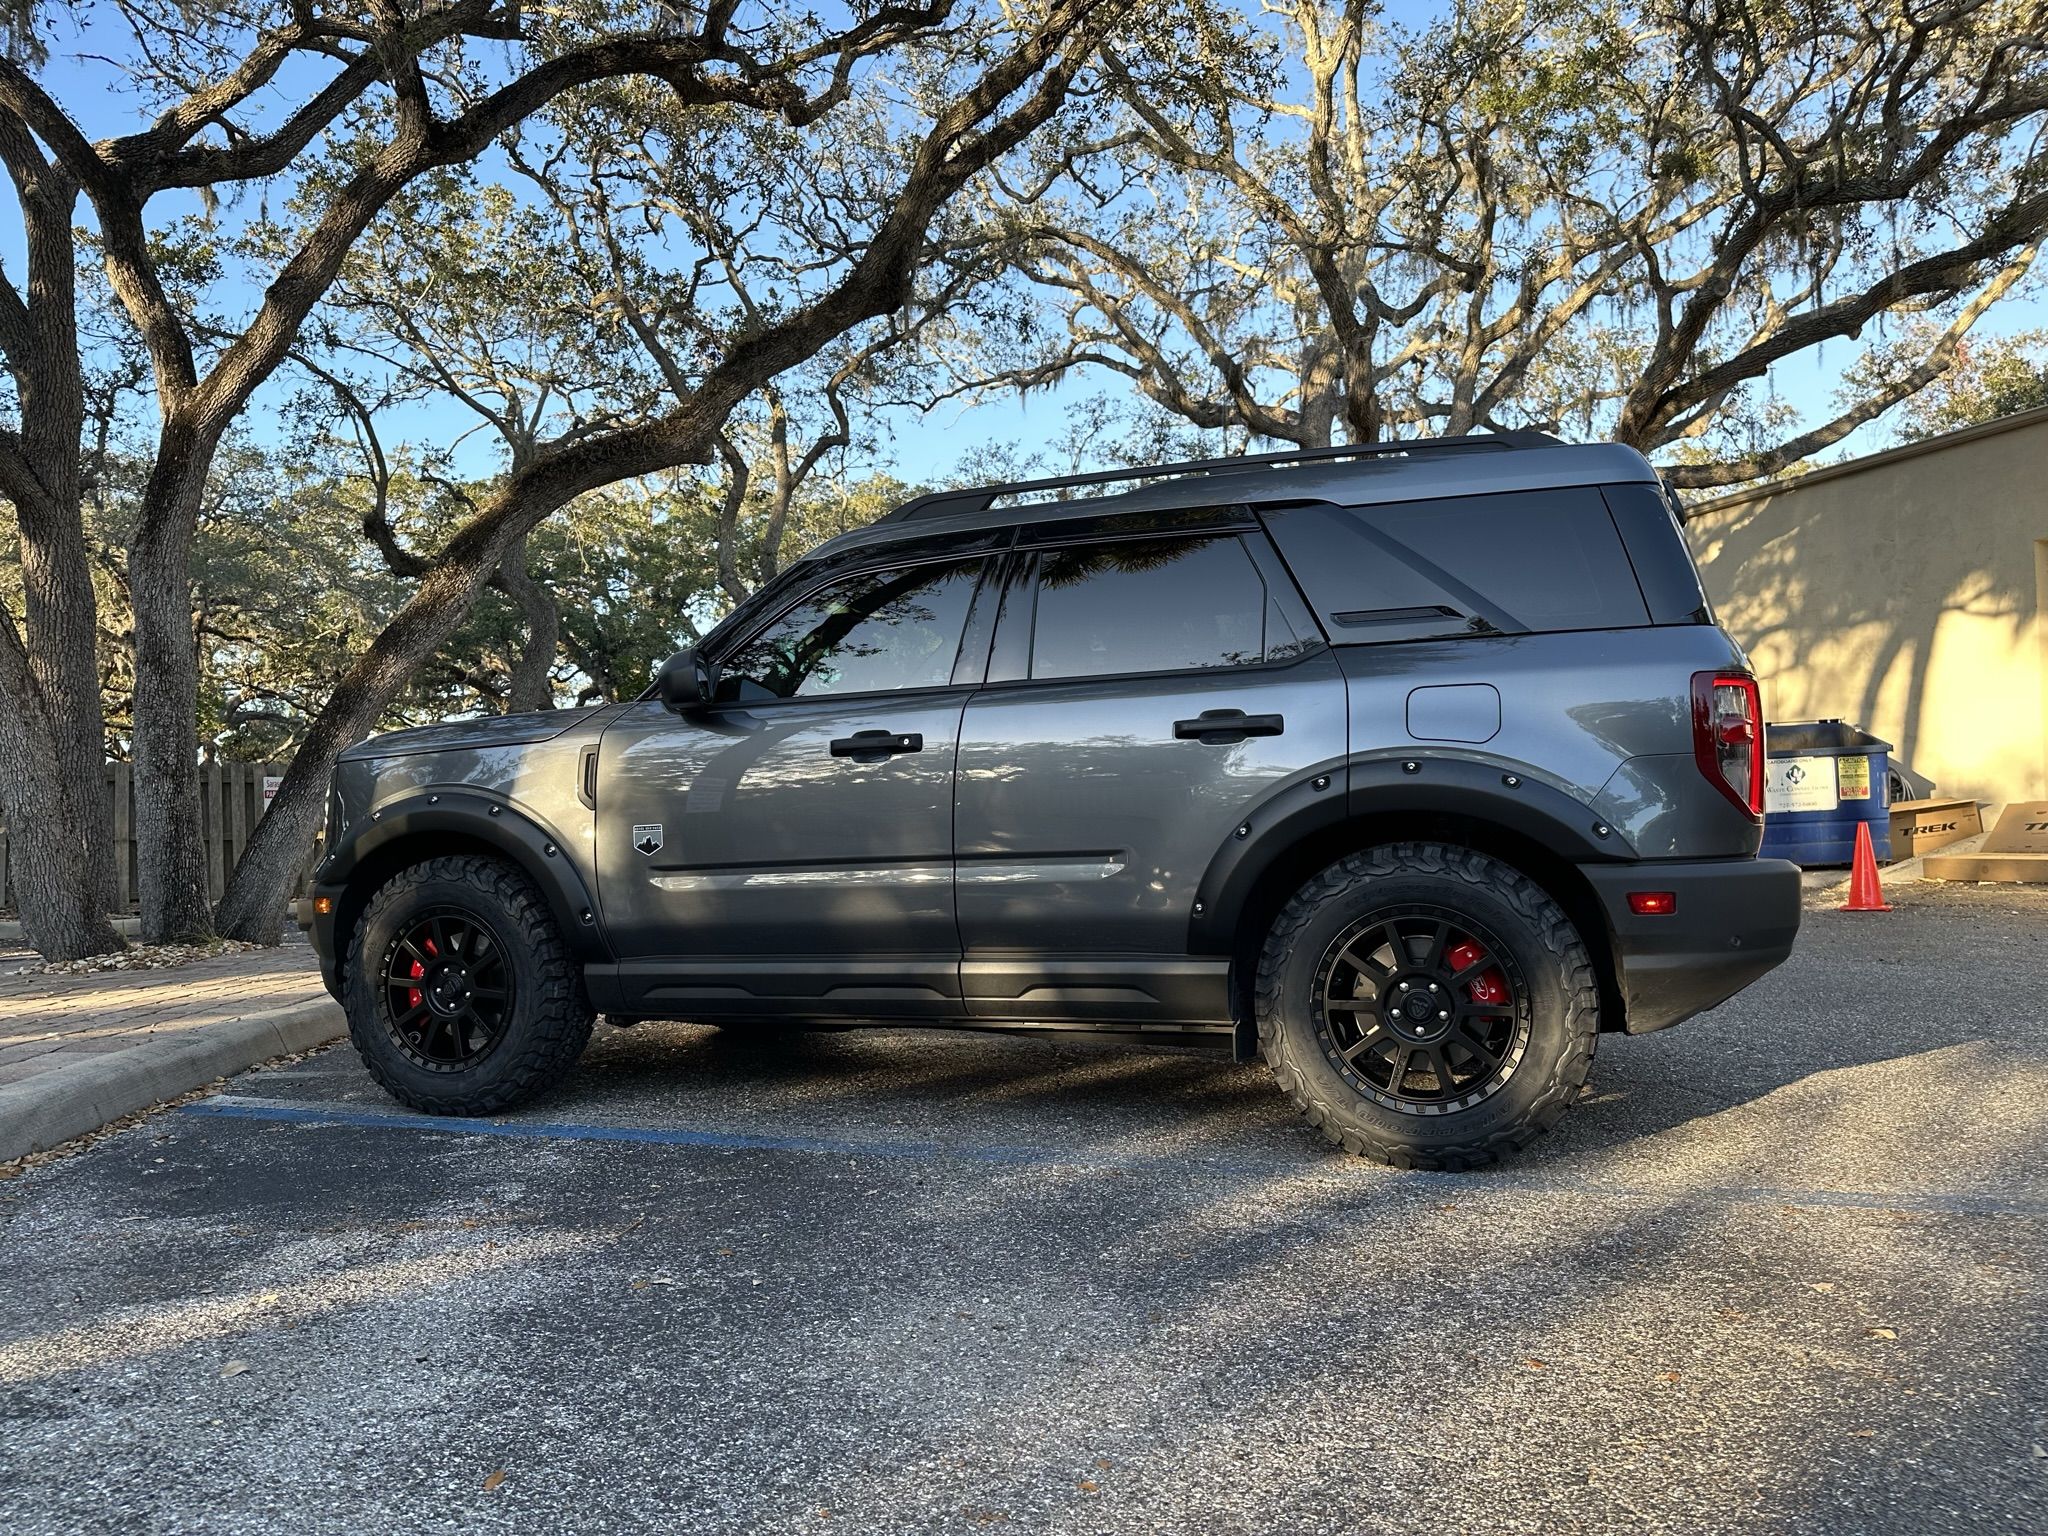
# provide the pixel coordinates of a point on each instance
(1905, 592)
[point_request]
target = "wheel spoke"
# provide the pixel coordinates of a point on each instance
(1439, 936)
(1368, 1037)
(1478, 1045)
(1440, 1064)
(1473, 971)
(431, 1034)
(1364, 964)
(1398, 1066)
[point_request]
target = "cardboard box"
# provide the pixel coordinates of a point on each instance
(2001, 868)
(1921, 826)
(2022, 829)
(2016, 852)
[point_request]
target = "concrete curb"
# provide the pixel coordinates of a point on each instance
(53, 1107)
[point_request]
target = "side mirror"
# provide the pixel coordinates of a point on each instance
(684, 682)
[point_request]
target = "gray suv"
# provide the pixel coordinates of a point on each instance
(1411, 767)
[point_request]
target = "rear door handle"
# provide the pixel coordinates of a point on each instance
(877, 743)
(1223, 727)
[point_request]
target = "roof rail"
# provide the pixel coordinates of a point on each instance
(981, 498)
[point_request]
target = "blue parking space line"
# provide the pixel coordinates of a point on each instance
(288, 1112)
(1382, 1181)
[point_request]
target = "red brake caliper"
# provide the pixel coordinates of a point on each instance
(1489, 986)
(412, 997)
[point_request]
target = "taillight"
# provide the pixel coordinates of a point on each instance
(1728, 736)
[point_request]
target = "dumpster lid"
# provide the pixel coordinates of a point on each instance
(1819, 738)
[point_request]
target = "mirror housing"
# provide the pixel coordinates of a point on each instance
(685, 682)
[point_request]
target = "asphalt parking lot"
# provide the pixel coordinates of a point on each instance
(1781, 1270)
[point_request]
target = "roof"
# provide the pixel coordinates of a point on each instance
(1997, 427)
(1362, 475)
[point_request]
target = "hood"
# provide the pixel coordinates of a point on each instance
(484, 731)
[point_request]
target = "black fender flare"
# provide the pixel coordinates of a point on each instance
(1493, 792)
(432, 822)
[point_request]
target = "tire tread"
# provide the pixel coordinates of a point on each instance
(1554, 931)
(546, 1045)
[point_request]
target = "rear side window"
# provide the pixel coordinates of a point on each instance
(1648, 520)
(1518, 562)
(1148, 605)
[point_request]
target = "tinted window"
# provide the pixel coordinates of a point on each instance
(1527, 560)
(1148, 605)
(869, 633)
(1656, 547)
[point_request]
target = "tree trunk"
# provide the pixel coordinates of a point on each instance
(61, 914)
(59, 607)
(61, 621)
(171, 860)
(255, 897)
(532, 681)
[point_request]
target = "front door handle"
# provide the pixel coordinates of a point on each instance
(877, 743)
(1225, 727)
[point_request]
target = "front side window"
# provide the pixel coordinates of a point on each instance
(1148, 605)
(872, 632)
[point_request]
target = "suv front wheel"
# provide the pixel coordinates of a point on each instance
(1427, 1005)
(462, 998)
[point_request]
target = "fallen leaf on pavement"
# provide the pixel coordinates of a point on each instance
(1087, 1486)
(1668, 1376)
(1536, 1365)
(495, 1481)
(1823, 1286)
(234, 1368)
(1879, 1333)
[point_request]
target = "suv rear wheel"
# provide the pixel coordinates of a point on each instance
(1427, 1006)
(461, 997)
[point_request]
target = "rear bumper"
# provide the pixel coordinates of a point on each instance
(1735, 920)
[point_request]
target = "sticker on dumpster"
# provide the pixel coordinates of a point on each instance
(1799, 784)
(1852, 778)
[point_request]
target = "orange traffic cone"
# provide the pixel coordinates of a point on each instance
(1865, 894)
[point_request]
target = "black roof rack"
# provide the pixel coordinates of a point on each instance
(981, 498)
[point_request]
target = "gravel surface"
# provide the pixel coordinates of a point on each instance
(1779, 1271)
(136, 957)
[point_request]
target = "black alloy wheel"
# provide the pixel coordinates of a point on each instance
(447, 990)
(1422, 1009)
(1427, 1005)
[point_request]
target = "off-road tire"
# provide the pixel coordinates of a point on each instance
(551, 1016)
(1563, 1005)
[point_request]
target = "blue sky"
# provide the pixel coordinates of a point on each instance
(920, 448)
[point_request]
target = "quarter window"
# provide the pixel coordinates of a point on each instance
(1148, 605)
(872, 632)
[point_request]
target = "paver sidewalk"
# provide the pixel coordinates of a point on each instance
(79, 1051)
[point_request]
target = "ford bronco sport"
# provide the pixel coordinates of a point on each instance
(1413, 767)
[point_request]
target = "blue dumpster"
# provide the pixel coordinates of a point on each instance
(1822, 780)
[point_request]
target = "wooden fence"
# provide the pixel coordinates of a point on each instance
(231, 802)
